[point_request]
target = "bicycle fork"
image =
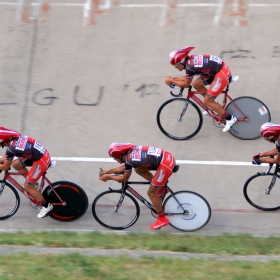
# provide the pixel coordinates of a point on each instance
(119, 203)
(183, 111)
(268, 190)
(2, 187)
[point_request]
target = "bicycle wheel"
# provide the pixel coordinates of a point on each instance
(255, 192)
(198, 211)
(9, 201)
(75, 197)
(257, 113)
(105, 213)
(179, 119)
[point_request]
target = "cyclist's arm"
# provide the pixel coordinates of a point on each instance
(178, 81)
(118, 178)
(6, 165)
(118, 169)
(2, 159)
(265, 156)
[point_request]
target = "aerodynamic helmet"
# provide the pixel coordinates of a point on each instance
(270, 130)
(117, 150)
(179, 56)
(7, 134)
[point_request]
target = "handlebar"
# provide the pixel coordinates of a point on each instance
(179, 94)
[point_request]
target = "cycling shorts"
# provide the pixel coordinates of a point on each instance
(164, 170)
(26, 161)
(38, 168)
(221, 80)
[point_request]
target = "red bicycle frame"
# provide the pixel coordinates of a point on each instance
(8, 177)
(193, 95)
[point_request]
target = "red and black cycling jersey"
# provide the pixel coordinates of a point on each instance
(203, 64)
(25, 147)
(143, 156)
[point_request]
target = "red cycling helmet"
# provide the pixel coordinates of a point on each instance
(270, 130)
(117, 150)
(179, 56)
(7, 134)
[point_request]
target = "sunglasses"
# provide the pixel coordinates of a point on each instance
(177, 64)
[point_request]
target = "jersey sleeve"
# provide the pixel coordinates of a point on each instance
(9, 154)
(127, 167)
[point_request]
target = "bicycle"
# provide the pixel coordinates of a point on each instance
(173, 121)
(263, 193)
(117, 209)
(70, 202)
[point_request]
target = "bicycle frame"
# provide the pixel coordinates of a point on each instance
(126, 187)
(8, 177)
(193, 95)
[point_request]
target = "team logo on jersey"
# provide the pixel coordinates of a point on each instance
(198, 60)
(216, 59)
(21, 143)
(136, 155)
(38, 146)
(156, 152)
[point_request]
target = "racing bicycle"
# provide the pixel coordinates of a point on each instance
(181, 119)
(70, 202)
(117, 209)
(262, 190)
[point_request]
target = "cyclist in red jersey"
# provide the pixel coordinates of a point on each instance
(270, 132)
(212, 70)
(143, 159)
(26, 149)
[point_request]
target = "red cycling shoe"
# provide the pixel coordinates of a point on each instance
(160, 222)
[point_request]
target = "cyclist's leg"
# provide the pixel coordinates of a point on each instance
(200, 84)
(37, 170)
(144, 172)
(217, 85)
(19, 165)
(164, 171)
(220, 81)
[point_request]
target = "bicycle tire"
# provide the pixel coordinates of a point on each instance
(198, 207)
(75, 197)
(257, 113)
(104, 205)
(9, 201)
(168, 115)
(254, 192)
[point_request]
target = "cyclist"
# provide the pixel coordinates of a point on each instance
(143, 159)
(270, 132)
(212, 70)
(26, 149)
